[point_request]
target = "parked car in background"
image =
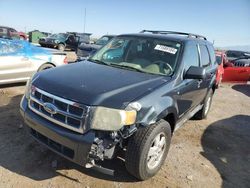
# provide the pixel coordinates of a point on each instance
(235, 54)
(85, 50)
(62, 41)
(221, 59)
(130, 101)
(19, 60)
(237, 69)
(10, 33)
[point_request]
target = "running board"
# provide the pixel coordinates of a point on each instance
(188, 116)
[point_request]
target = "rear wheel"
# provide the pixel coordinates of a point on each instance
(202, 114)
(45, 67)
(147, 150)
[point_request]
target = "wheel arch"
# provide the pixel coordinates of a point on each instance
(47, 63)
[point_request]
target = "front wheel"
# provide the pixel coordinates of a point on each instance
(147, 150)
(61, 47)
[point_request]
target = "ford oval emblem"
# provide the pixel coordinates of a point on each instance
(50, 108)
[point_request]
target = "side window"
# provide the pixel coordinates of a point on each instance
(10, 48)
(191, 56)
(205, 61)
(12, 30)
(212, 54)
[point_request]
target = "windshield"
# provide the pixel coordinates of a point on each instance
(102, 41)
(59, 36)
(148, 55)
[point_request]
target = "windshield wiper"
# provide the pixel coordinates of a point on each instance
(127, 67)
(98, 61)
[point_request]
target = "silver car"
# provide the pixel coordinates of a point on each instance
(19, 60)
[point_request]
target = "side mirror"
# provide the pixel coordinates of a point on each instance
(195, 73)
(219, 63)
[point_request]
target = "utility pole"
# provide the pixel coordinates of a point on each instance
(84, 23)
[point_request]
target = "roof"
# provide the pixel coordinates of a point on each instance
(174, 37)
(109, 35)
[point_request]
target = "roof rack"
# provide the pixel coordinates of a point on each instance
(189, 35)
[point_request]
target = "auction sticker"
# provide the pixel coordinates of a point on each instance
(165, 49)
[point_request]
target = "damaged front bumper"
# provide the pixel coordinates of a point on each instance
(69, 144)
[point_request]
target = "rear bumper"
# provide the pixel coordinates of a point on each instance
(71, 145)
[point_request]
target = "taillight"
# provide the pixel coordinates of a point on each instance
(65, 61)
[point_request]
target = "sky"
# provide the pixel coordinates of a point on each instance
(226, 22)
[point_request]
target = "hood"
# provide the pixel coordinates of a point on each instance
(97, 85)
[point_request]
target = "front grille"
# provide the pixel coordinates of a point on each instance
(62, 112)
(239, 64)
(53, 145)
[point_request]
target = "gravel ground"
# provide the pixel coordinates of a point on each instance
(209, 153)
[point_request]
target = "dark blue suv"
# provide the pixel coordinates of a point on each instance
(131, 96)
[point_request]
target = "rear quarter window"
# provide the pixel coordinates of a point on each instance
(212, 54)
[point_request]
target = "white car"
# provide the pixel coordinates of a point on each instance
(19, 60)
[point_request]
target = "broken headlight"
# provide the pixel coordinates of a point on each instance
(110, 119)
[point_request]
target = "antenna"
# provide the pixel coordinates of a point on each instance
(84, 21)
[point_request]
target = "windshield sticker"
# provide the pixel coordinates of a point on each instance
(165, 49)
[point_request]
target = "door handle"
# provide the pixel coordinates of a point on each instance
(199, 83)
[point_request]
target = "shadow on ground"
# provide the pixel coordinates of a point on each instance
(243, 88)
(4, 86)
(20, 154)
(226, 145)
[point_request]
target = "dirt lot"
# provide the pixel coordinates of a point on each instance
(209, 153)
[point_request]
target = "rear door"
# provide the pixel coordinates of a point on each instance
(208, 62)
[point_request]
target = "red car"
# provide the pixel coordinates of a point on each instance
(221, 60)
(10, 33)
(236, 70)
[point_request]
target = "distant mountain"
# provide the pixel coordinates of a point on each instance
(241, 48)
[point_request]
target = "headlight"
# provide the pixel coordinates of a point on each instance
(109, 119)
(56, 41)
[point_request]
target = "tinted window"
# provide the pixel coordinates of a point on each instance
(191, 57)
(212, 53)
(205, 61)
(12, 30)
(84, 38)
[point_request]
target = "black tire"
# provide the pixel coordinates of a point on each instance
(136, 159)
(202, 114)
(45, 67)
(61, 47)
